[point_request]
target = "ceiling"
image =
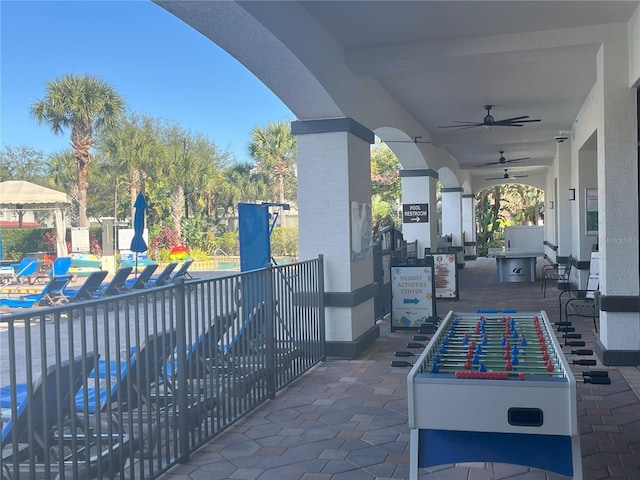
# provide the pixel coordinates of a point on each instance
(441, 61)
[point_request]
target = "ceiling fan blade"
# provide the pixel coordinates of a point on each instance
(463, 125)
(518, 176)
(513, 119)
(518, 121)
(516, 160)
(495, 178)
(500, 163)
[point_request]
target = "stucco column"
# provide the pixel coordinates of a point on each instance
(419, 187)
(618, 208)
(334, 204)
(565, 208)
(452, 219)
(469, 225)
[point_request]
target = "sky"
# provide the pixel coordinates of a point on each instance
(161, 66)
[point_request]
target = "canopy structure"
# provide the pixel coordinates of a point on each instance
(26, 195)
(29, 195)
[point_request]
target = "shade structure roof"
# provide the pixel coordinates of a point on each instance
(27, 194)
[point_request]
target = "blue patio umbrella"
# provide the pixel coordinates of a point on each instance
(137, 242)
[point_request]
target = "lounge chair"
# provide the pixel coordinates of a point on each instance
(51, 294)
(116, 285)
(182, 271)
(45, 409)
(88, 288)
(128, 382)
(141, 281)
(24, 270)
(164, 276)
(42, 435)
(59, 267)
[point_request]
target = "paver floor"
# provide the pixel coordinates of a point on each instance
(347, 419)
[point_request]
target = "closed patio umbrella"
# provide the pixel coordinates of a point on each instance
(61, 243)
(137, 242)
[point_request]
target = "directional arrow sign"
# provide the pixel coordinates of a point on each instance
(415, 213)
(411, 300)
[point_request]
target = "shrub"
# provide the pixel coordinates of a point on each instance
(284, 242)
(226, 244)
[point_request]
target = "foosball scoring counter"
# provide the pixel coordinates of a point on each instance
(494, 388)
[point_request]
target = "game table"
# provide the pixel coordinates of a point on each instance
(494, 387)
(515, 264)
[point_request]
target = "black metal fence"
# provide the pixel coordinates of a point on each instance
(128, 385)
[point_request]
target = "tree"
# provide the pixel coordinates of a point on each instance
(86, 105)
(240, 183)
(131, 149)
(274, 150)
(64, 176)
(522, 204)
(385, 174)
(23, 163)
(385, 186)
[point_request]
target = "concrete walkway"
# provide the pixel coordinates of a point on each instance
(347, 419)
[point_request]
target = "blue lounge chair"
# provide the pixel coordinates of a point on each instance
(141, 280)
(116, 285)
(51, 294)
(39, 423)
(24, 270)
(88, 288)
(129, 381)
(44, 410)
(164, 276)
(59, 267)
(182, 271)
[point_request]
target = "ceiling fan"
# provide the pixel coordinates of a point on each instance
(506, 176)
(489, 121)
(502, 160)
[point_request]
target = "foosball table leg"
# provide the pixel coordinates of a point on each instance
(413, 453)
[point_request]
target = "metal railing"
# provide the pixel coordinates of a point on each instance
(129, 385)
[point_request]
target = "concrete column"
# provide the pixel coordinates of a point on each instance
(619, 342)
(452, 219)
(469, 225)
(334, 203)
(563, 206)
(419, 187)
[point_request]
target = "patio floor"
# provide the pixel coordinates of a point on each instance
(347, 419)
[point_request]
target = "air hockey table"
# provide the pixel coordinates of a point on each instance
(494, 386)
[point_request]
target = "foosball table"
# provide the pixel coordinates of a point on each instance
(494, 387)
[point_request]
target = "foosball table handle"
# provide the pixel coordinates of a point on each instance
(401, 363)
(584, 362)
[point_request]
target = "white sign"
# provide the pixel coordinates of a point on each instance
(444, 268)
(80, 240)
(412, 302)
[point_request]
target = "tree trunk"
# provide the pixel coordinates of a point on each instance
(81, 163)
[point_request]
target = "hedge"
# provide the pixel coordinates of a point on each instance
(20, 242)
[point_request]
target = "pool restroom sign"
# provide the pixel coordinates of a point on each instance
(415, 213)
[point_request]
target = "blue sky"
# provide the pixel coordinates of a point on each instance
(161, 66)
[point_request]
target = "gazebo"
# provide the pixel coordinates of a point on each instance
(22, 195)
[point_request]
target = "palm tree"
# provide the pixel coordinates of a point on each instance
(274, 150)
(132, 150)
(86, 105)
